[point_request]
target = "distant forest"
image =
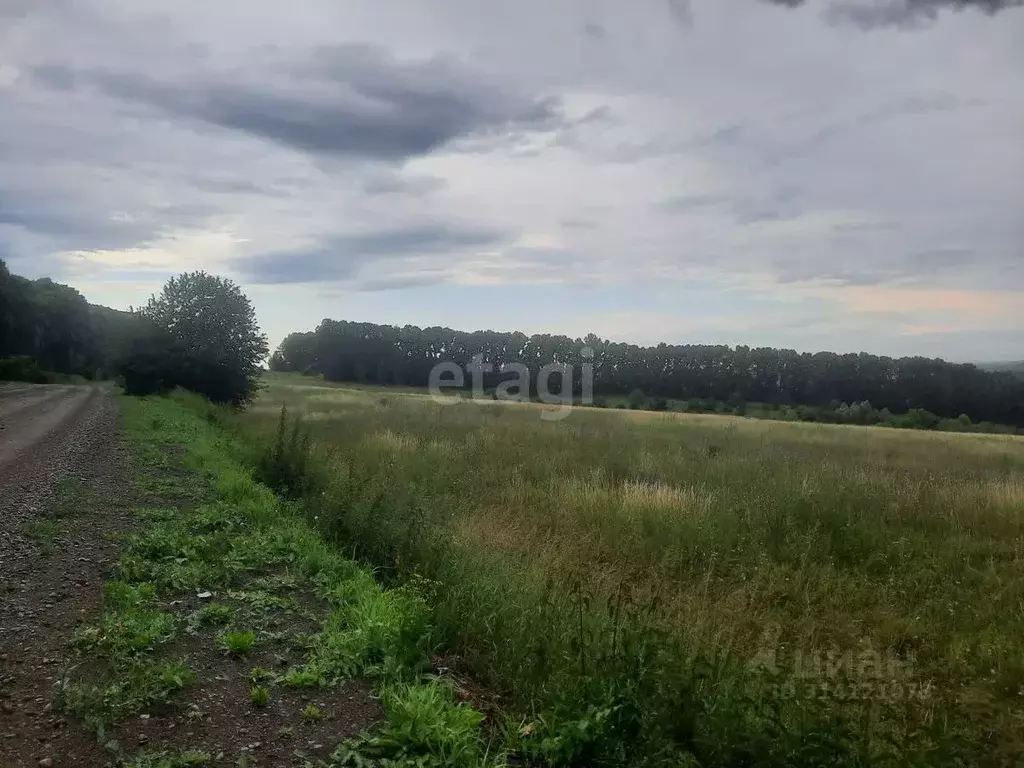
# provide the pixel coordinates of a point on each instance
(383, 354)
(1015, 367)
(48, 328)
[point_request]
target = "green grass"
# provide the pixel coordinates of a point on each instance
(233, 538)
(43, 532)
(134, 686)
(237, 643)
(210, 615)
(425, 726)
(660, 588)
(313, 714)
(259, 674)
(165, 759)
(259, 695)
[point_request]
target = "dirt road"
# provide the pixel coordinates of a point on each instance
(58, 453)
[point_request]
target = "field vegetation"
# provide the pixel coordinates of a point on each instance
(643, 587)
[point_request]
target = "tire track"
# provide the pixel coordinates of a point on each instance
(13, 401)
(35, 421)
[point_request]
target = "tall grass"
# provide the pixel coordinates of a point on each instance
(661, 588)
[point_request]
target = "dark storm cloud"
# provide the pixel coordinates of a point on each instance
(340, 257)
(871, 14)
(352, 100)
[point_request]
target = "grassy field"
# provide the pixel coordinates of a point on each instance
(664, 587)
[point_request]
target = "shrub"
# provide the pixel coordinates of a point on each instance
(151, 362)
(22, 368)
(919, 418)
(286, 464)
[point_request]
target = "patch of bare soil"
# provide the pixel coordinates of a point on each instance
(216, 714)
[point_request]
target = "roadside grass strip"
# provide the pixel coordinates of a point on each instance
(238, 568)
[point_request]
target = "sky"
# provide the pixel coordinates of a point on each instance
(842, 175)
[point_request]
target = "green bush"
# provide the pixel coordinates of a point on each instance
(286, 465)
(637, 399)
(22, 368)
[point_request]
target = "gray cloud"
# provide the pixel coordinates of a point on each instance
(351, 100)
(577, 223)
(241, 144)
(783, 203)
(340, 257)
(871, 14)
(746, 208)
(233, 186)
(400, 283)
(401, 184)
(684, 203)
(71, 226)
(681, 13)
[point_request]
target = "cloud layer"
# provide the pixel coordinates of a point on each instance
(830, 173)
(349, 100)
(870, 14)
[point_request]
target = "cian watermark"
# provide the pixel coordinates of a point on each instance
(861, 673)
(556, 384)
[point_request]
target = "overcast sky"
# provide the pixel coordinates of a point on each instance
(842, 174)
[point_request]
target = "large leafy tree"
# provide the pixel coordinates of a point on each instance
(208, 332)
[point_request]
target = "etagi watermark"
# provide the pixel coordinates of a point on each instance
(516, 383)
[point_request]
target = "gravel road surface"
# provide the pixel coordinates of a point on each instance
(58, 455)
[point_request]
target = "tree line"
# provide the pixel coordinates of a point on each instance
(49, 328)
(200, 333)
(384, 354)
